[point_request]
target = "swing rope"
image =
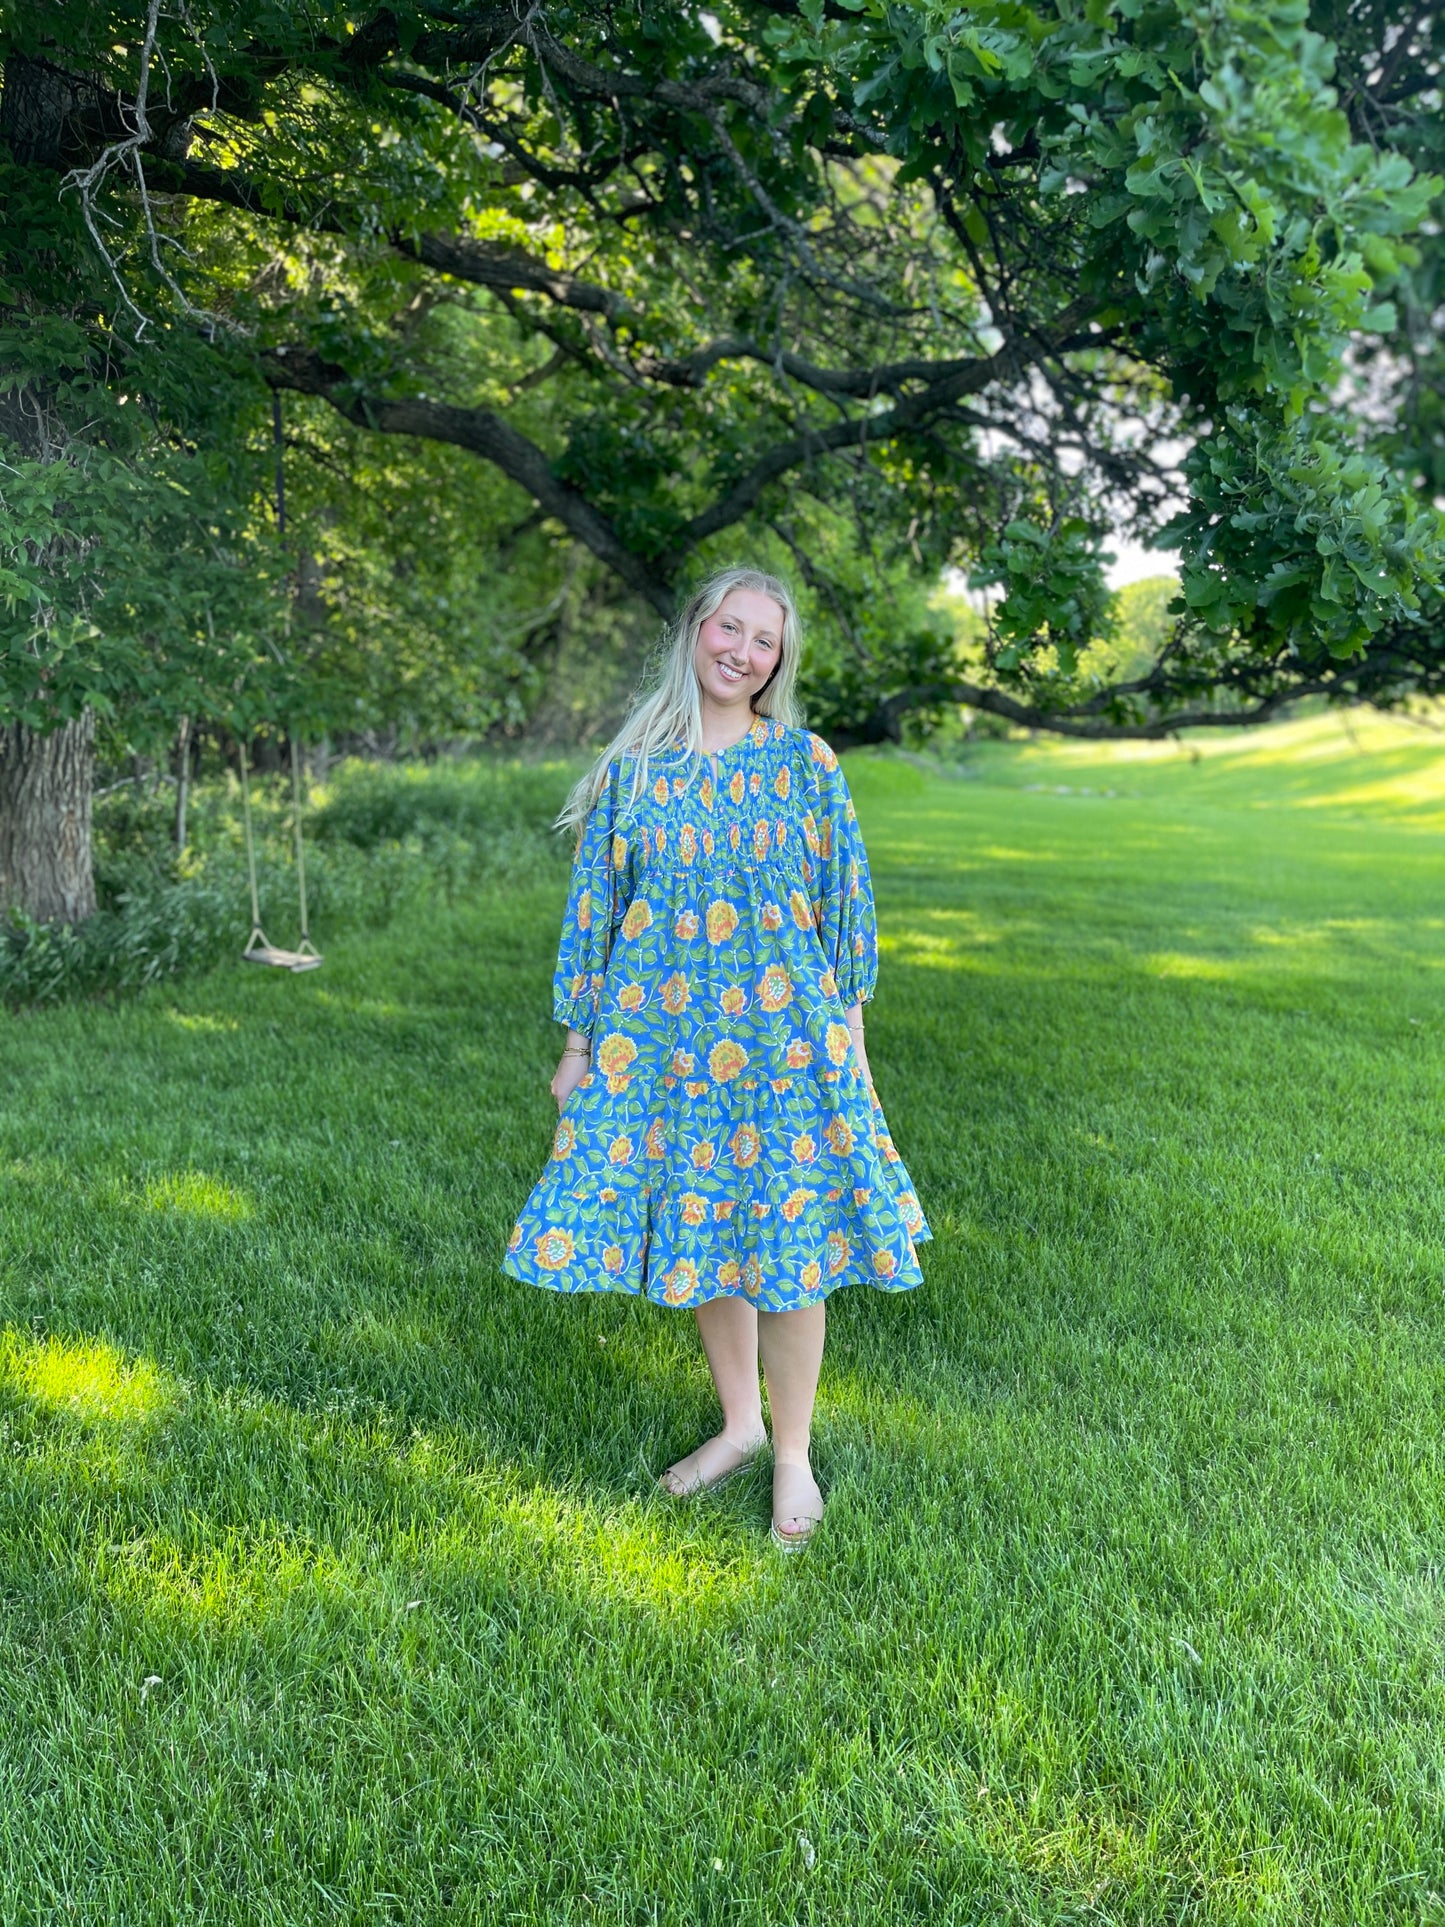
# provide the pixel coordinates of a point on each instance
(260, 948)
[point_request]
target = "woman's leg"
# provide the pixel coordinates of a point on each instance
(728, 1328)
(791, 1343)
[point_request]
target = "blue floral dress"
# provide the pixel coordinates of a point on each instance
(724, 1140)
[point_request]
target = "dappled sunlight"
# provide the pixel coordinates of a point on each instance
(1179, 963)
(204, 1026)
(357, 1005)
(1358, 763)
(85, 1378)
(195, 1194)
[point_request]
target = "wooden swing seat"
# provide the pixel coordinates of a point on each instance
(261, 950)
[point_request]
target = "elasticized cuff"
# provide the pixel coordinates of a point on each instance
(578, 1013)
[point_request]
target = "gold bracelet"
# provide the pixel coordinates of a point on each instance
(576, 1050)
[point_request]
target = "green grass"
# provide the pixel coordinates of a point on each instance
(334, 1586)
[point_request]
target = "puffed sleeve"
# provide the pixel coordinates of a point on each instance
(596, 903)
(847, 920)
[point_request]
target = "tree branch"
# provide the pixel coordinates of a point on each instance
(482, 433)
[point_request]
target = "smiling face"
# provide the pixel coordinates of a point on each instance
(738, 647)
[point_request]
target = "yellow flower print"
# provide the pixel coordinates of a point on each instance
(515, 1239)
(619, 1151)
(752, 1277)
(782, 833)
(735, 787)
(775, 989)
(745, 1144)
(861, 1194)
(661, 840)
(612, 1258)
(839, 1253)
(681, 1283)
(683, 1063)
(638, 918)
(722, 920)
(821, 753)
(755, 783)
(619, 852)
(686, 926)
(912, 1214)
(804, 1149)
(707, 843)
(826, 840)
(728, 1274)
(631, 997)
(884, 1263)
(723, 1209)
(800, 1054)
(733, 1000)
(735, 836)
(811, 1276)
(614, 1054)
(840, 1136)
(760, 1209)
(726, 1059)
(705, 793)
(762, 836)
(675, 994)
(801, 908)
(656, 1139)
(781, 1083)
(687, 843)
(578, 984)
(617, 1085)
(693, 1209)
(885, 1145)
(828, 984)
(659, 790)
(608, 1194)
(838, 1043)
(564, 1138)
(584, 910)
(782, 783)
(796, 1203)
(554, 1248)
(772, 918)
(702, 1157)
(696, 1088)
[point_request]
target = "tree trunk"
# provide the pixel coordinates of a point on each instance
(45, 791)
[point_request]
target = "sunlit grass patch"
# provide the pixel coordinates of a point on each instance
(195, 1194)
(85, 1378)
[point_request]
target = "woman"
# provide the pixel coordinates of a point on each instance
(719, 1145)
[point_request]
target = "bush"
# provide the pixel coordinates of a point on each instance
(381, 840)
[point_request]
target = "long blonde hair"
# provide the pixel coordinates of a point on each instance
(669, 717)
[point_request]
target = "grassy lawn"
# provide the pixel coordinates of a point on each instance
(334, 1585)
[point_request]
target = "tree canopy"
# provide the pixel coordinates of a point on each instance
(874, 290)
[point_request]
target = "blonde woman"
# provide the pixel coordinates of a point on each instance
(719, 1146)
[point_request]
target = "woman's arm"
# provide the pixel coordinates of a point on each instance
(572, 1066)
(853, 1018)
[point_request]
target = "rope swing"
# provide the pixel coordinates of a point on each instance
(260, 948)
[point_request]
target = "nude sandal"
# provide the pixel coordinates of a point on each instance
(795, 1496)
(697, 1487)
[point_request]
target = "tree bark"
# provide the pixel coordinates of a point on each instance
(45, 791)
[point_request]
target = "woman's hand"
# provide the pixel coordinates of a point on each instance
(572, 1067)
(853, 1018)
